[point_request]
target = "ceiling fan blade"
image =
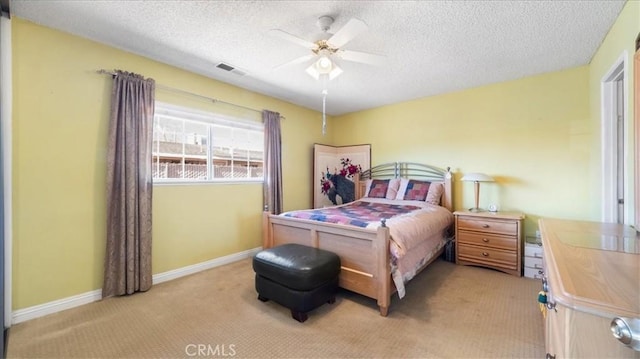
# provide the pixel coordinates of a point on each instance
(362, 57)
(349, 31)
(294, 39)
(299, 60)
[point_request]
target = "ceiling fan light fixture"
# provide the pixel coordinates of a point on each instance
(335, 72)
(316, 72)
(311, 70)
(324, 65)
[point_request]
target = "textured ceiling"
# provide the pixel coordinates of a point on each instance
(431, 47)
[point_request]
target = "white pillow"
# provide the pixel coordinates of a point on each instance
(402, 189)
(434, 196)
(394, 185)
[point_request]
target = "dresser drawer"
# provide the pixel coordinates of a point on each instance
(488, 225)
(482, 255)
(488, 240)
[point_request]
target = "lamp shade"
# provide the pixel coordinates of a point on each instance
(477, 177)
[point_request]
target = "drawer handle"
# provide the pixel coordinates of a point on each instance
(537, 255)
(485, 254)
(485, 240)
(485, 226)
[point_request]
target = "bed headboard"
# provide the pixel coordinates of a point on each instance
(410, 170)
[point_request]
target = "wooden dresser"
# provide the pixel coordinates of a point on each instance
(490, 239)
(592, 275)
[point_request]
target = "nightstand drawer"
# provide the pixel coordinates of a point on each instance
(489, 240)
(488, 225)
(496, 257)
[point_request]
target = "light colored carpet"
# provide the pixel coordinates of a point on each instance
(449, 311)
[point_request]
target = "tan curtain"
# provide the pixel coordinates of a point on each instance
(127, 266)
(272, 162)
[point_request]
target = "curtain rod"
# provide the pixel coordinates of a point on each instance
(173, 89)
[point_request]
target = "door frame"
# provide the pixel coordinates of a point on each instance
(636, 90)
(6, 162)
(608, 129)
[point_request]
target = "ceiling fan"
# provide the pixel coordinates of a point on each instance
(330, 46)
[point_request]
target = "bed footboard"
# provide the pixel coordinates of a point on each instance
(364, 253)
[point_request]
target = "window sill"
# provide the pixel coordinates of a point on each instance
(178, 182)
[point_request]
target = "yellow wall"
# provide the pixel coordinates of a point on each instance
(60, 118)
(620, 41)
(528, 134)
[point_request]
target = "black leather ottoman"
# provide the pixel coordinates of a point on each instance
(298, 277)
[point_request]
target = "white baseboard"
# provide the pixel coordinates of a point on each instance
(22, 315)
(199, 267)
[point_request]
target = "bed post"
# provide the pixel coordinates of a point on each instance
(360, 186)
(267, 234)
(447, 198)
(383, 278)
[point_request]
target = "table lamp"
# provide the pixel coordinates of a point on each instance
(476, 178)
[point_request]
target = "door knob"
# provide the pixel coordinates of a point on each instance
(627, 331)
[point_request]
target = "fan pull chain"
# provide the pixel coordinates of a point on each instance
(324, 115)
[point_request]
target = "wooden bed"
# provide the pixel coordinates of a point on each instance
(364, 253)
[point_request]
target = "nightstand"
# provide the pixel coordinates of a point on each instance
(490, 239)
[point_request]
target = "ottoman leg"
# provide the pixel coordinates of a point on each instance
(299, 316)
(262, 299)
(331, 300)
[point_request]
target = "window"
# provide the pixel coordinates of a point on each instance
(196, 146)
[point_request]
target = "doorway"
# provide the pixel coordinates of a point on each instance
(614, 143)
(636, 90)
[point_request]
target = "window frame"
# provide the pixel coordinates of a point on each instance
(210, 119)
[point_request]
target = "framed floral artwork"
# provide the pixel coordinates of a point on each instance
(333, 171)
